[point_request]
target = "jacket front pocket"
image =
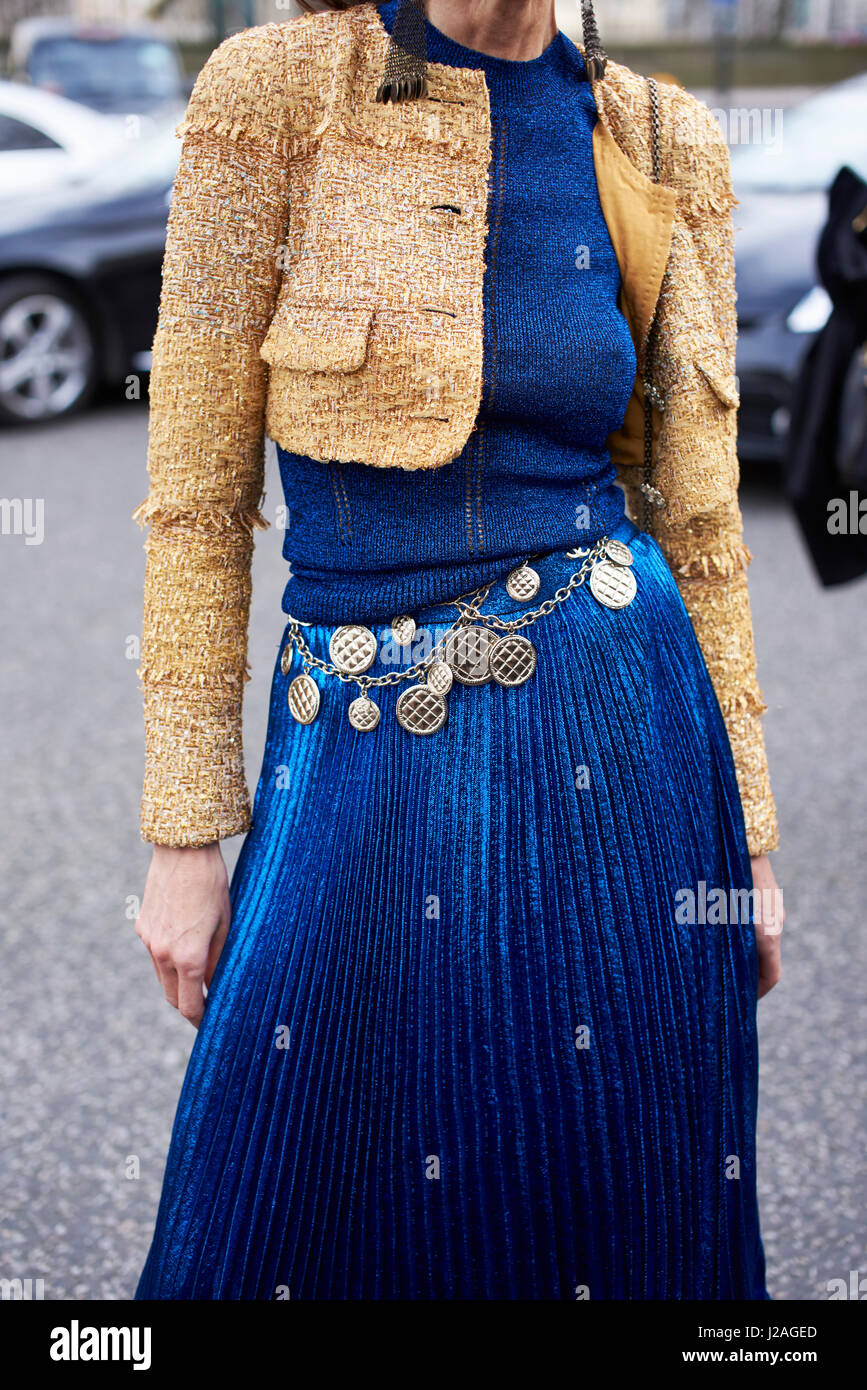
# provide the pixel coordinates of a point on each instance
(396, 386)
(421, 362)
(720, 378)
(318, 337)
(373, 360)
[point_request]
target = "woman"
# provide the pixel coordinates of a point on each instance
(465, 1037)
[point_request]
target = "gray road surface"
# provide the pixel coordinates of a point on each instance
(92, 1057)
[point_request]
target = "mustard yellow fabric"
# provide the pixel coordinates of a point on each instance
(309, 293)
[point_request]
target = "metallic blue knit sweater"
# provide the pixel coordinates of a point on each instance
(559, 366)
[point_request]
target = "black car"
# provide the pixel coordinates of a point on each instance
(80, 282)
(782, 188)
(113, 70)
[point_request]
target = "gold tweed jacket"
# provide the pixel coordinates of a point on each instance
(322, 283)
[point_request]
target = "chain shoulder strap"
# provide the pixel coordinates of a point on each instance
(651, 498)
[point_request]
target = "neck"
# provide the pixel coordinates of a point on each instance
(520, 29)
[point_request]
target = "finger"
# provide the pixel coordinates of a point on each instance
(770, 969)
(154, 964)
(191, 998)
(215, 950)
(766, 981)
(169, 981)
(140, 933)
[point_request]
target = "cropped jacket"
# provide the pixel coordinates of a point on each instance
(324, 265)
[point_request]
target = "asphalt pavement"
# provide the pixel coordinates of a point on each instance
(93, 1058)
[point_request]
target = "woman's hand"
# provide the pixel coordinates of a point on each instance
(183, 922)
(769, 918)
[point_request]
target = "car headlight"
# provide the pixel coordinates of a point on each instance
(810, 313)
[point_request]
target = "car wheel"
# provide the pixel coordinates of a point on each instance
(48, 362)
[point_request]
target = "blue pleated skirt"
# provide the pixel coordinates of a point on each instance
(460, 1043)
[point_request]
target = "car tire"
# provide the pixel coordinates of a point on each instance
(48, 351)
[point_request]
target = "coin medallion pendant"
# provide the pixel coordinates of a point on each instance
(439, 677)
(352, 648)
(303, 698)
(612, 585)
(513, 660)
(467, 651)
(403, 629)
(619, 553)
(363, 714)
(421, 710)
(522, 584)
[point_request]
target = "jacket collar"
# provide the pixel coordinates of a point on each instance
(639, 213)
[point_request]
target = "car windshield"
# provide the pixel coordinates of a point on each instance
(105, 70)
(816, 138)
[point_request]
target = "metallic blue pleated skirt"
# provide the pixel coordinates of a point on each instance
(460, 1043)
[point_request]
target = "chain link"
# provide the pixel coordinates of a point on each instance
(366, 682)
(574, 582)
(469, 613)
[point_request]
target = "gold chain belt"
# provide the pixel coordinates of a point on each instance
(476, 648)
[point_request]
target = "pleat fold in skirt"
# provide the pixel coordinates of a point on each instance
(466, 1039)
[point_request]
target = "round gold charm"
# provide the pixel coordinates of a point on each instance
(522, 584)
(618, 552)
(352, 648)
(403, 629)
(303, 697)
(286, 658)
(439, 677)
(363, 714)
(420, 710)
(612, 585)
(513, 660)
(467, 651)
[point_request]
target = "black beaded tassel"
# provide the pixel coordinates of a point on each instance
(406, 59)
(594, 54)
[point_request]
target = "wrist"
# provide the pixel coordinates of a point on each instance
(185, 851)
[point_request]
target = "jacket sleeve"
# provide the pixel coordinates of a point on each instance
(226, 228)
(709, 559)
(705, 549)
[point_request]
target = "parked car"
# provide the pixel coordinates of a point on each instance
(46, 140)
(80, 282)
(121, 70)
(782, 190)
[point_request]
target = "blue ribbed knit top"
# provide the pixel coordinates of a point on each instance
(368, 543)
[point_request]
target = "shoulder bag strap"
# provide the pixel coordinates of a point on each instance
(651, 498)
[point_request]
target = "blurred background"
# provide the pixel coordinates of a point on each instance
(90, 94)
